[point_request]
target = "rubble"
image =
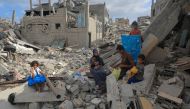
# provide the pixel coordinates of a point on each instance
(166, 75)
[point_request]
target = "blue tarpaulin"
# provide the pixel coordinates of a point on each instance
(132, 44)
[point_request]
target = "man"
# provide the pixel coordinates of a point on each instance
(126, 63)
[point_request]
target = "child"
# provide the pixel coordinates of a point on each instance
(140, 70)
(35, 71)
(99, 75)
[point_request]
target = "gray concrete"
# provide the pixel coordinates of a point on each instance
(112, 88)
(34, 106)
(164, 22)
(174, 90)
(39, 97)
(66, 105)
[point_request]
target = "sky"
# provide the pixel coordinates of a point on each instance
(117, 8)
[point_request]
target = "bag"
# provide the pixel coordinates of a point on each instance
(133, 71)
(116, 73)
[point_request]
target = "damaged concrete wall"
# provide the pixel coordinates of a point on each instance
(45, 29)
(95, 29)
(166, 20)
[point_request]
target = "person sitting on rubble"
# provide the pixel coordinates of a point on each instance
(126, 62)
(135, 30)
(37, 77)
(139, 73)
(99, 74)
(96, 56)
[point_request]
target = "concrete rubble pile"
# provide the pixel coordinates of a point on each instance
(166, 73)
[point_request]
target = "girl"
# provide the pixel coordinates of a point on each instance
(36, 72)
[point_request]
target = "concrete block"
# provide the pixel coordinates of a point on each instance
(3, 70)
(102, 106)
(174, 90)
(66, 105)
(96, 101)
(34, 106)
(91, 107)
(74, 89)
(48, 106)
(78, 102)
(118, 105)
(89, 97)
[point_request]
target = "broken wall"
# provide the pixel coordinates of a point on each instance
(95, 29)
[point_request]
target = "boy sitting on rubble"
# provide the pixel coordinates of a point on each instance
(136, 73)
(37, 77)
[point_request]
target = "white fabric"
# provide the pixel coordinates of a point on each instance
(38, 70)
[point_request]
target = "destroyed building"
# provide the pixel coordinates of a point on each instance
(157, 7)
(66, 23)
(143, 22)
(166, 73)
(101, 12)
(122, 26)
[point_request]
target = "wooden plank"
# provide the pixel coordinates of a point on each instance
(145, 103)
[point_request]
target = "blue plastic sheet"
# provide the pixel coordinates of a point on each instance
(132, 44)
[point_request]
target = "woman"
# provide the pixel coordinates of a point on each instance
(126, 63)
(96, 57)
(97, 70)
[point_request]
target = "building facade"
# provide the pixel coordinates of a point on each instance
(101, 12)
(67, 22)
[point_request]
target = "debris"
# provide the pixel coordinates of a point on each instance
(174, 90)
(149, 44)
(96, 101)
(66, 105)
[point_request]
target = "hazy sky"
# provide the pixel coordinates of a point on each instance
(117, 8)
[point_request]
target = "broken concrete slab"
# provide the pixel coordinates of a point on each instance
(39, 97)
(157, 55)
(96, 101)
(66, 105)
(174, 90)
(34, 106)
(78, 102)
(149, 44)
(3, 69)
(118, 105)
(166, 20)
(176, 100)
(91, 107)
(126, 93)
(112, 88)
